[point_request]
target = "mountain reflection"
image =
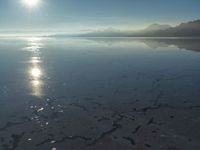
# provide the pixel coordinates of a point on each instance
(187, 44)
(192, 44)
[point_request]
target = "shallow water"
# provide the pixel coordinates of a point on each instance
(99, 94)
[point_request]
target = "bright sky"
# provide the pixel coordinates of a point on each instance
(83, 15)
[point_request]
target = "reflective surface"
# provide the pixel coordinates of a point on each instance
(35, 72)
(99, 93)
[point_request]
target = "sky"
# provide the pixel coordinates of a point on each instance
(86, 15)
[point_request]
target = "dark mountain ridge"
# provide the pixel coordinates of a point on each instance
(189, 29)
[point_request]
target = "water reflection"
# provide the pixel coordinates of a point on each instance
(35, 60)
(34, 44)
(35, 72)
(192, 44)
(181, 43)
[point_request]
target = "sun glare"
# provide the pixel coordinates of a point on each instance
(31, 3)
(35, 72)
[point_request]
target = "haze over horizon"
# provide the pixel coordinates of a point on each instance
(80, 16)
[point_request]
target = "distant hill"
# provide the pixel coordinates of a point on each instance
(189, 29)
(156, 27)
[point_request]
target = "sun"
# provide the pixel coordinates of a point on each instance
(31, 3)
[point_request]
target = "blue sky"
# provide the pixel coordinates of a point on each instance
(80, 15)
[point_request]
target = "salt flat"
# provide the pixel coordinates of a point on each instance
(99, 94)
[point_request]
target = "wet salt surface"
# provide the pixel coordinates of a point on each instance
(96, 94)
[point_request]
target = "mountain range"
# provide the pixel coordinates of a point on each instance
(188, 29)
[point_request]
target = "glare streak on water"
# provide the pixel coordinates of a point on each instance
(35, 72)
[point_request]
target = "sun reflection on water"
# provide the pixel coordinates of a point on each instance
(36, 83)
(35, 73)
(35, 60)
